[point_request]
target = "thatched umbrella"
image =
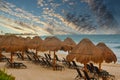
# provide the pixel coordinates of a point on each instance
(27, 42)
(85, 51)
(1, 40)
(52, 44)
(24, 45)
(68, 44)
(35, 43)
(109, 55)
(11, 43)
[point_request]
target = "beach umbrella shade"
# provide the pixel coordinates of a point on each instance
(68, 44)
(27, 42)
(109, 55)
(35, 43)
(85, 51)
(2, 38)
(23, 42)
(11, 43)
(52, 44)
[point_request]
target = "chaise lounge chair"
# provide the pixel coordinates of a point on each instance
(15, 64)
(79, 76)
(57, 66)
(87, 77)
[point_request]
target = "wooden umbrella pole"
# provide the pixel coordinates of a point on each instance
(99, 66)
(85, 67)
(54, 61)
(23, 55)
(11, 57)
(0, 53)
(36, 52)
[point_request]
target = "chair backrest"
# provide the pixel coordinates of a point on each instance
(34, 57)
(29, 57)
(8, 60)
(56, 57)
(46, 56)
(96, 70)
(74, 63)
(89, 68)
(18, 55)
(92, 66)
(43, 60)
(86, 75)
(78, 71)
(48, 62)
(21, 56)
(49, 57)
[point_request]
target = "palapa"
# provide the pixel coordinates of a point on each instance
(85, 51)
(35, 43)
(68, 44)
(27, 42)
(11, 43)
(52, 44)
(109, 55)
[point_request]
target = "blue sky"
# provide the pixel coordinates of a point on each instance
(52, 14)
(28, 5)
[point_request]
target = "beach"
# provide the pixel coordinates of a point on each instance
(38, 72)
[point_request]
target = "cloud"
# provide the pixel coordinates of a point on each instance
(49, 17)
(17, 12)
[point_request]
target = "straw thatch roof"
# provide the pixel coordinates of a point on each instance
(68, 44)
(86, 51)
(11, 43)
(51, 44)
(35, 42)
(109, 55)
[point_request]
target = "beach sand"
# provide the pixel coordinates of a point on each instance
(38, 72)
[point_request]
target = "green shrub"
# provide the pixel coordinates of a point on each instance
(5, 76)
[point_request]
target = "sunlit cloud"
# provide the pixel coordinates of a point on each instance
(49, 16)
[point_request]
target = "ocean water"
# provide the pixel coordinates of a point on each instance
(112, 41)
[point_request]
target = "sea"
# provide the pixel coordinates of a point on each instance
(111, 40)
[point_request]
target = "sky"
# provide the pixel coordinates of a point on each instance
(69, 16)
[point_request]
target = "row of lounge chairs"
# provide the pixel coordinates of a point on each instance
(47, 56)
(99, 73)
(95, 72)
(71, 65)
(66, 63)
(44, 61)
(83, 76)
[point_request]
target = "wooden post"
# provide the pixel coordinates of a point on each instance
(11, 59)
(100, 66)
(85, 67)
(54, 61)
(22, 55)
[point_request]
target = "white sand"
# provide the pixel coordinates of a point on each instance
(37, 72)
